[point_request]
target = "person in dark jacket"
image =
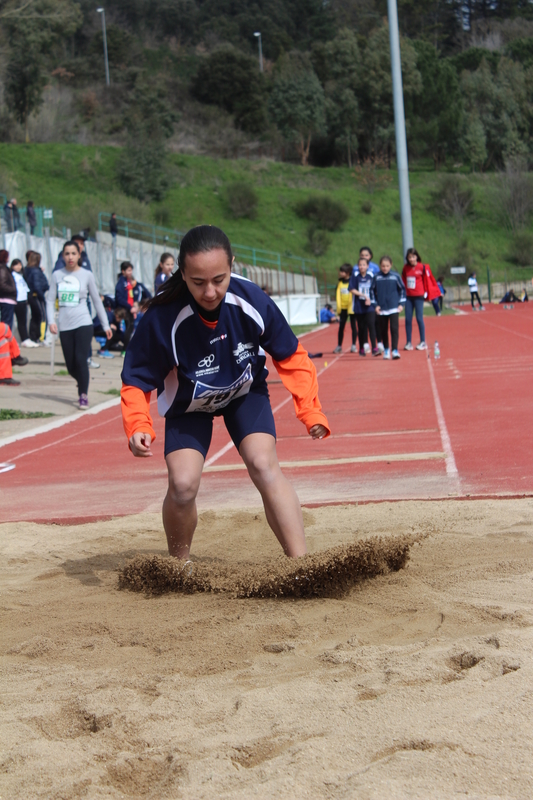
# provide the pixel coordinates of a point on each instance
(129, 291)
(30, 216)
(8, 291)
(388, 293)
(11, 215)
(38, 285)
(113, 225)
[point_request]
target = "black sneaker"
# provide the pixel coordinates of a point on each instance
(9, 382)
(19, 361)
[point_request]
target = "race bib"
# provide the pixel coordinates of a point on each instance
(345, 291)
(68, 291)
(365, 289)
(212, 398)
(411, 282)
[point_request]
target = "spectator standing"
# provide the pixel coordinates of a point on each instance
(113, 226)
(345, 307)
(21, 309)
(415, 281)
(373, 269)
(388, 292)
(11, 215)
(433, 290)
(38, 285)
(163, 271)
(71, 286)
(8, 291)
(129, 291)
(474, 292)
(30, 216)
(440, 284)
(363, 307)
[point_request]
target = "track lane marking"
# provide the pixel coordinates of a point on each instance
(507, 330)
(65, 438)
(451, 466)
(227, 447)
(332, 462)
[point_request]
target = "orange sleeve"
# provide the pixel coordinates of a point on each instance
(298, 375)
(135, 405)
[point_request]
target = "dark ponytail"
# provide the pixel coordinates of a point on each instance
(201, 239)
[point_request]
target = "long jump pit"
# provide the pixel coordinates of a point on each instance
(395, 661)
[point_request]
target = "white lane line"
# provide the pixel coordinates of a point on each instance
(507, 330)
(451, 466)
(227, 447)
(332, 462)
(407, 432)
(58, 423)
(65, 438)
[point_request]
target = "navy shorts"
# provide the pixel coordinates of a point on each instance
(251, 413)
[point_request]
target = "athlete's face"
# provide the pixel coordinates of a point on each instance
(363, 266)
(207, 276)
(412, 259)
(168, 266)
(365, 253)
(71, 256)
(385, 266)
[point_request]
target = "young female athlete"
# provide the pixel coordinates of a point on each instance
(71, 285)
(202, 344)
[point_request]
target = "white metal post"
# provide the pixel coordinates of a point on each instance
(399, 125)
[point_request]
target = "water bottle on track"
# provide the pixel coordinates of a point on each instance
(436, 351)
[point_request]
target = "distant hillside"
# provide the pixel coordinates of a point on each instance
(79, 181)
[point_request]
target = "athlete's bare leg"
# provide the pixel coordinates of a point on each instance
(179, 508)
(282, 507)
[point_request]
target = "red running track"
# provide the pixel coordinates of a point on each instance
(414, 428)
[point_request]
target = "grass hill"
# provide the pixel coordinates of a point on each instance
(79, 181)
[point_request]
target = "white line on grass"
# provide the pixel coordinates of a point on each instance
(451, 466)
(58, 423)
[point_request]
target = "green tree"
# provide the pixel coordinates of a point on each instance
(32, 28)
(338, 66)
(435, 113)
(375, 96)
(297, 103)
(502, 104)
(473, 142)
(231, 80)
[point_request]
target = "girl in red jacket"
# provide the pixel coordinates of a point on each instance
(418, 281)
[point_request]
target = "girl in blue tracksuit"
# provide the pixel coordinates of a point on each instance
(388, 293)
(363, 307)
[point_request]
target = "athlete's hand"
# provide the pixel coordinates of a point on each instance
(318, 432)
(53, 328)
(378, 309)
(109, 333)
(140, 445)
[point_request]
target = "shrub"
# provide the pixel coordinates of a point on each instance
(162, 216)
(366, 208)
(325, 213)
(522, 249)
(241, 200)
(453, 199)
(142, 171)
(318, 240)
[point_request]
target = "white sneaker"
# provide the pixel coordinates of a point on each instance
(422, 346)
(28, 343)
(93, 364)
(338, 349)
(367, 347)
(386, 353)
(381, 348)
(408, 346)
(353, 348)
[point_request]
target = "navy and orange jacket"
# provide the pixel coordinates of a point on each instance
(196, 365)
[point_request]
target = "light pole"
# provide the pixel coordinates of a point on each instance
(257, 34)
(399, 125)
(102, 12)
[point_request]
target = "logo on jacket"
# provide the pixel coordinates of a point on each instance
(207, 361)
(243, 351)
(219, 338)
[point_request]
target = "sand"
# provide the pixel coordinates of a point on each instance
(416, 683)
